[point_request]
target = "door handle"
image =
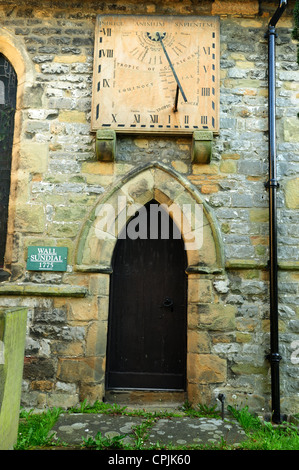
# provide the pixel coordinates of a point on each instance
(168, 303)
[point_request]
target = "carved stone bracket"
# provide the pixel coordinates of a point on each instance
(201, 150)
(106, 145)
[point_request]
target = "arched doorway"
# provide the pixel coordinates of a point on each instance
(8, 94)
(148, 305)
(17, 76)
(96, 251)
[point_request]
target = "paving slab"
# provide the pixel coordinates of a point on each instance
(186, 430)
(178, 431)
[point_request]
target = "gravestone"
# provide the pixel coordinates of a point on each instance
(12, 345)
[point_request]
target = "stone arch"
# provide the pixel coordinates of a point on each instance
(8, 91)
(153, 181)
(94, 255)
(15, 52)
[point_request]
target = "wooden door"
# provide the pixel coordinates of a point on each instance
(147, 318)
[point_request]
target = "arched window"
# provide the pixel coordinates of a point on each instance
(2, 93)
(8, 91)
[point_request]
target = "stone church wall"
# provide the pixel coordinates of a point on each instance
(57, 182)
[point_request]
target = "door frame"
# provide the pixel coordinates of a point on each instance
(94, 254)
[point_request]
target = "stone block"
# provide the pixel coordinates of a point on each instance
(251, 167)
(67, 349)
(72, 117)
(33, 96)
(96, 339)
(205, 169)
(198, 342)
(42, 290)
(87, 369)
(37, 127)
(235, 7)
(30, 218)
(83, 309)
(42, 385)
(141, 143)
(217, 317)
(55, 315)
(34, 157)
(199, 290)
(39, 368)
(180, 166)
(20, 181)
(70, 59)
(228, 166)
(98, 168)
(209, 188)
(249, 369)
(70, 213)
(199, 394)
(103, 303)
(91, 393)
(291, 129)
(140, 188)
(259, 215)
(99, 284)
(63, 229)
(99, 180)
(243, 337)
(292, 193)
(206, 369)
(62, 400)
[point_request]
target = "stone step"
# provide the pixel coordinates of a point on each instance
(148, 399)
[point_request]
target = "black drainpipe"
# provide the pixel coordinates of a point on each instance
(274, 356)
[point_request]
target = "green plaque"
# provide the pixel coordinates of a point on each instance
(46, 258)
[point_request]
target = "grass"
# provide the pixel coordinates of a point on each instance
(35, 429)
(265, 435)
(200, 411)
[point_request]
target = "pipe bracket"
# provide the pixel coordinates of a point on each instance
(273, 183)
(271, 31)
(274, 358)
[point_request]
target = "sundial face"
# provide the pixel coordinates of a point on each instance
(156, 74)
